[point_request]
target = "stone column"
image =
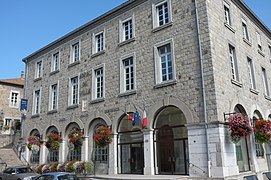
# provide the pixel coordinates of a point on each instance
(42, 153)
(148, 152)
(85, 149)
(113, 154)
(62, 149)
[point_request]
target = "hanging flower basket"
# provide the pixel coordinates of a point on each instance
(239, 126)
(34, 144)
(53, 142)
(262, 131)
(102, 136)
(75, 139)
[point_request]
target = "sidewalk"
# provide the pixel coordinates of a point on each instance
(141, 177)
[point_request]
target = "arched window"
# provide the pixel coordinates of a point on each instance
(100, 153)
(52, 144)
(35, 157)
(259, 147)
(75, 142)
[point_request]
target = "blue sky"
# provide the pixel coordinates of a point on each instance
(28, 25)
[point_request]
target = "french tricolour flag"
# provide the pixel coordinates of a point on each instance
(144, 120)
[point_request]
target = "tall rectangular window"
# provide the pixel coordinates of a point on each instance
(99, 42)
(166, 62)
(74, 91)
(39, 69)
(259, 41)
(75, 52)
(269, 48)
(161, 13)
(251, 74)
(53, 97)
(36, 102)
(245, 30)
(227, 14)
(127, 29)
(128, 66)
(265, 82)
(99, 83)
(14, 99)
(55, 62)
(233, 62)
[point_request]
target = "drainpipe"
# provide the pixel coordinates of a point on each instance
(203, 92)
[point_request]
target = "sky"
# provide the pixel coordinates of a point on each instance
(28, 25)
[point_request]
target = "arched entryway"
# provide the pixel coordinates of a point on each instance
(130, 147)
(241, 148)
(171, 142)
(35, 157)
(74, 144)
(52, 143)
(258, 146)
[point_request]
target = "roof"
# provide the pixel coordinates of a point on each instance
(14, 81)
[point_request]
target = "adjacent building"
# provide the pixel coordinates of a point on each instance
(11, 92)
(187, 64)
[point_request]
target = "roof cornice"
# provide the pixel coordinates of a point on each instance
(85, 28)
(242, 5)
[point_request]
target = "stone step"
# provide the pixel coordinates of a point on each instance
(9, 156)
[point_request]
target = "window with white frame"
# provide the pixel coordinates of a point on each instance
(14, 99)
(75, 52)
(55, 62)
(251, 73)
(233, 61)
(74, 90)
(259, 41)
(161, 13)
(269, 48)
(227, 15)
(245, 30)
(98, 83)
(39, 69)
(99, 42)
(127, 29)
(53, 97)
(164, 62)
(36, 102)
(127, 76)
(265, 82)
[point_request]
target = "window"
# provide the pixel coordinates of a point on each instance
(227, 14)
(14, 99)
(55, 62)
(75, 52)
(161, 13)
(53, 156)
(98, 83)
(101, 153)
(269, 47)
(36, 102)
(164, 62)
(233, 62)
(127, 81)
(99, 42)
(251, 74)
(39, 69)
(127, 30)
(74, 91)
(259, 41)
(75, 154)
(245, 31)
(53, 97)
(265, 82)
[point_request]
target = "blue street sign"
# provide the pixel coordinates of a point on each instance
(23, 104)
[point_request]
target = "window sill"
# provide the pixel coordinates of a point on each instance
(158, 28)
(127, 93)
(72, 106)
(54, 72)
(254, 91)
(267, 97)
(126, 41)
(14, 107)
(164, 84)
(97, 100)
(236, 83)
(35, 115)
(229, 27)
(97, 53)
(52, 111)
(261, 52)
(37, 79)
(247, 41)
(74, 63)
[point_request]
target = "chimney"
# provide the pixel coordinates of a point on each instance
(22, 74)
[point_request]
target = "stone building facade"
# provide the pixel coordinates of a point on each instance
(187, 64)
(11, 92)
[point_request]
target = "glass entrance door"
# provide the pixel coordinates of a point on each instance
(132, 158)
